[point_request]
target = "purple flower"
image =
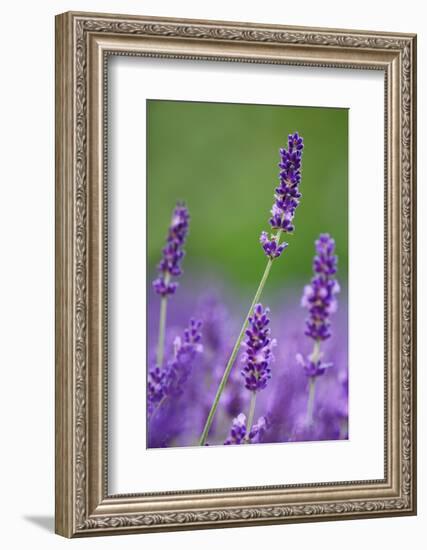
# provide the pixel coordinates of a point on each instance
(164, 288)
(170, 380)
(185, 351)
(258, 350)
(258, 430)
(325, 262)
(155, 388)
(287, 195)
(320, 295)
(173, 252)
(271, 247)
(238, 431)
(312, 367)
(216, 329)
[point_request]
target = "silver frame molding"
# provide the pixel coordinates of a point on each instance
(83, 43)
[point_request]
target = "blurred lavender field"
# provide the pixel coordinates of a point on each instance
(180, 420)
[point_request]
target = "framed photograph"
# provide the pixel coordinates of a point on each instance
(235, 274)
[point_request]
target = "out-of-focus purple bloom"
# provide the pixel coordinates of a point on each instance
(319, 296)
(258, 430)
(185, 351)
(258, 350)
(312, 368)
(173, 252)
(155, 388)
(271, 247)
(287, 194)
(325, 262)
(285, 401)
(170, 380)
(215, 318)
(218, 330)
(164, 288)
(238, 431)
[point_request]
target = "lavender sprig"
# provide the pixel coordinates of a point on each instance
(287, 197)
(320, 299)
(170, 266)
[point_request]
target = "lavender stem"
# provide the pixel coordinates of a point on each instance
(251, 415)
(310, 402)
(233, 355)
(315, 356)
(162, 327)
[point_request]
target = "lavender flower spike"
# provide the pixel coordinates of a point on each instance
(320, 295)
(257, 357)
(287, 196)
(258, 350)
(173, 252)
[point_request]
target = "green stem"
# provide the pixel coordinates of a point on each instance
(315, 356)
(251, 415)
(162, 327)
(310, 402)
(233, 355)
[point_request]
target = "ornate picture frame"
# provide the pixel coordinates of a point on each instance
(84, 42)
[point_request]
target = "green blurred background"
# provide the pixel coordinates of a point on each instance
(221, 159)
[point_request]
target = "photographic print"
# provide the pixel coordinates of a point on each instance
(247, 256)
